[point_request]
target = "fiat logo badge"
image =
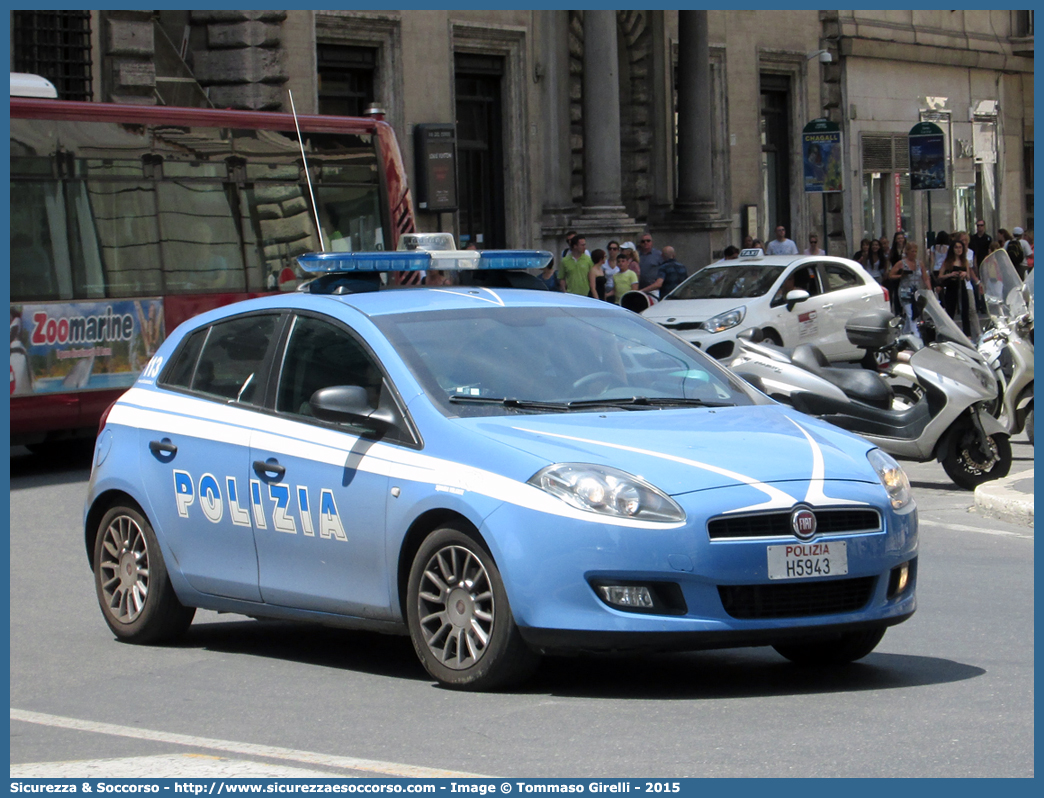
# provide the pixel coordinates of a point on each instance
(803, 522)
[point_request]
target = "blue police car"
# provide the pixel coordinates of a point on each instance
(496, 471)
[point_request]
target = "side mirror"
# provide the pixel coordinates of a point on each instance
(340, 403)
(752, 334)
(795, 296)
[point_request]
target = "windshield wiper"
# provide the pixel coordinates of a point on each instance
(648, 401)
(522, 404)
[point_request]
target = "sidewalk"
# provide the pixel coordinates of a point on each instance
(1009, 499)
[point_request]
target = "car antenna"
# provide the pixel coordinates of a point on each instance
(308, 175)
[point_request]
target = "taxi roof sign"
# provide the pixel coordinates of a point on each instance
(752, 253)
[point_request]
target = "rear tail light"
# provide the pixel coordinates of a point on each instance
(887, 297)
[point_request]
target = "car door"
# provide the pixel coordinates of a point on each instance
(846, 294)
(803, 322)
(195, 449)
(319, 488)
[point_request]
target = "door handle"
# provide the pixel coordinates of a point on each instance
(163, 447)
(261, 468)
(828, 305)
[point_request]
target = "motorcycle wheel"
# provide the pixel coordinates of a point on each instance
(1029, 426)
(964, 463)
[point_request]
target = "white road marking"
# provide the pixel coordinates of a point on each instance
(963, 528)
(249, 749)
(169, 766)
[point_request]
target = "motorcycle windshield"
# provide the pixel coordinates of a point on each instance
(1003, 286)
(1029, 292)
(945, 327)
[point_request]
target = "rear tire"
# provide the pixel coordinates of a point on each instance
(134, 591)
(831, 651)
(459, 618)
(1029, 426)
(964, 463)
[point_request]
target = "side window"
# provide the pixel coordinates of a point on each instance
(230, 365)
(802, 278)
(179, 373)
(838, 277)
(319, 355)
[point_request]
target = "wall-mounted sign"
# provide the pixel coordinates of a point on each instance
(927, 157)
(435, 163)
(821, 155)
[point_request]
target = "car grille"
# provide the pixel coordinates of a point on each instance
(684, 325)
(796, 600)
(777, 524)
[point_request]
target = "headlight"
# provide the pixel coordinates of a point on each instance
(607, 491)
(724, 321)
(892, 476)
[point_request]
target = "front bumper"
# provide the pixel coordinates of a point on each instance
(550, 567)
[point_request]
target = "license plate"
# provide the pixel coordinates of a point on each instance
(808, 560)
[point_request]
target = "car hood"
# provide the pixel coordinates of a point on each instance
(694, 309)
(685, 450)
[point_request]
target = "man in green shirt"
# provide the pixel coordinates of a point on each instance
(576, 266)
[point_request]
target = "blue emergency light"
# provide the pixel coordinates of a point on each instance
(421, 252)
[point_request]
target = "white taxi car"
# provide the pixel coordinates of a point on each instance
(792, 299)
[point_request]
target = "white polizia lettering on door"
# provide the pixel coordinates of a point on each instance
(283, 516)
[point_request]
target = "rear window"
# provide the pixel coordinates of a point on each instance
(728, 282)
(225, 360)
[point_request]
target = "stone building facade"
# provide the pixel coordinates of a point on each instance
(687, 123)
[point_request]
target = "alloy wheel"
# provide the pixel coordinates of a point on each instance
(456, 607)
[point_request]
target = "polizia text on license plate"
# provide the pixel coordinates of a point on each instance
(804, 560)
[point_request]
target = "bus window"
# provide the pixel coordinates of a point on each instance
(153, 215)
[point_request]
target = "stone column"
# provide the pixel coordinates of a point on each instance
(695, 176)
(552, 71)
(696, 226)
(603, 215)
(601, 103)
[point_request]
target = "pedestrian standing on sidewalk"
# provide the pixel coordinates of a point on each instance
(576, 266)
(596, 275)
(672, 273)
(781, 245)
(909, 274)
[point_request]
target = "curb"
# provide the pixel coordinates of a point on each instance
(1009, 499)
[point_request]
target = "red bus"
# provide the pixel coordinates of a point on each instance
(127, 220)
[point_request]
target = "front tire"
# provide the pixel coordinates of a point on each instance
(832, 651)
(134, 591)
(965, 464)
(459, 618)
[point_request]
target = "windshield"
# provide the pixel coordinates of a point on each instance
(1003, 287)
(944, 327)
(499, 360)
(1029, 291)
(728, 281)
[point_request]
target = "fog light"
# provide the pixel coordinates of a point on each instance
(898, 580)
(904, 575)
(627, 596)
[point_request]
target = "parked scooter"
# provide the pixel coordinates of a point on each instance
(1008, 346)
(943, 413)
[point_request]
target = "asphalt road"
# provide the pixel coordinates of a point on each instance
(949, 693)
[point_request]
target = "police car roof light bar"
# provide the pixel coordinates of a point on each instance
(423, 251)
